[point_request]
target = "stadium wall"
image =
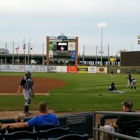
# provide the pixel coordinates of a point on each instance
(53, 69)
(70, 69)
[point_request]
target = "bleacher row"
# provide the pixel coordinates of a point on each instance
(54, 133)
(76, 127)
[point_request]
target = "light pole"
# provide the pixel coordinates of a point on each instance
(101, 25)
(131, 46)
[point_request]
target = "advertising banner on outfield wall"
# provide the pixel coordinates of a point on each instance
(71, 69)
(91, 69)
(61, 69)
(30, 68)
(51, 69)
(82, 69)
(101, 69)
(40, 68)
(7, 68)
(19, 68)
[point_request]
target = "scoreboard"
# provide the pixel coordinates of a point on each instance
(130, 58)
(62, 48)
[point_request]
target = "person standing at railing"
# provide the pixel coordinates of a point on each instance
(127, 107)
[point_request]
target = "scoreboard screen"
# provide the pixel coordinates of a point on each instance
(62, 46)
(130, 58)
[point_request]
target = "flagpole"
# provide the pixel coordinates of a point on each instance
(17, 57)
(83, 54)
(13, 54)
(28, 52)
(24, 51)
(32, 54)
(43, 54)
(108, 55)
(96, 55)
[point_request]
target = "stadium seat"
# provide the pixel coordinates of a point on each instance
(26, 135)
(53, 132)
(138, 133)
(71, 137)
(2, 132)
(11, 130)
(46, 127)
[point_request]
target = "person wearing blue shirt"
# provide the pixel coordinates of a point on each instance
(112, 87)
(44, 118)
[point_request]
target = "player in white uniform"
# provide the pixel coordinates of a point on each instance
(26, 83)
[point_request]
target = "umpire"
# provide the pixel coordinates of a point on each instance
(27, 84)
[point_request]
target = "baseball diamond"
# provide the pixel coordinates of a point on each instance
(42, 85)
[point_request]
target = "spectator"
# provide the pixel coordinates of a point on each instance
(106, 116)
(129, 78)
(133, 84)
(19, 117)
(127, 107)
(44, 118)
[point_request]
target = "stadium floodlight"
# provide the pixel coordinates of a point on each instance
(101, 25)
(131, 46)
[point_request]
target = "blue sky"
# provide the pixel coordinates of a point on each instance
(36, 19)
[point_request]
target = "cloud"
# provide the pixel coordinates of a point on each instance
(37, 19)
(46, 5)
(117, 8)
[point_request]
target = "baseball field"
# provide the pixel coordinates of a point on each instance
(69, 92)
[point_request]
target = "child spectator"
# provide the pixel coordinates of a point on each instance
(19, 117)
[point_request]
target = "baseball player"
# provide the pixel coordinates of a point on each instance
(27, 84)
(113, 89)
(133, 84)
(112, 74)
(129, 79)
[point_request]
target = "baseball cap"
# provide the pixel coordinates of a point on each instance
(127, 103)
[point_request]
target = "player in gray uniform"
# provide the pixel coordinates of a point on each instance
(27, 84)
(133, 83)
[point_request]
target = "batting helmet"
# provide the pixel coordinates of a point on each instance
(27, 73)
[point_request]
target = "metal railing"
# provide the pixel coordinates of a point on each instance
(113, 133)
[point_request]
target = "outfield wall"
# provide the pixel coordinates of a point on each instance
(53, 69)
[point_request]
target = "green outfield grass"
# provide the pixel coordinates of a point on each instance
(81, 93)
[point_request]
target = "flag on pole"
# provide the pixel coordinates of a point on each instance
(17, 48)
(24, 46)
